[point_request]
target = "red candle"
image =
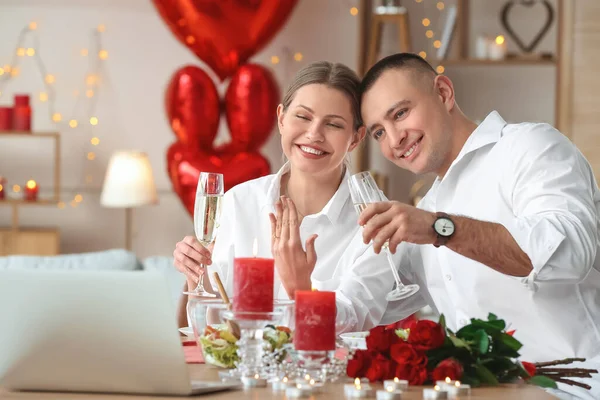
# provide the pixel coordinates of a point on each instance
(253, 280)
(31, 190)
(22, 113)
(2, 188)
(6, 118)
(315, 320)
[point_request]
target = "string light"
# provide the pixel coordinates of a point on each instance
(440, 69)
(298, 56)
(28, 36)
(440, 5)
(437, 44)
(274, 60)
(423, 54)
(426, 22)
(354, 11)
(430, 34)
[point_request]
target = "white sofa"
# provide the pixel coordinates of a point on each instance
(114, 259)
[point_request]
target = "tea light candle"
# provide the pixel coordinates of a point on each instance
(389, 394)
(458, 390)
(497, 48)
(358, 383)
(296, 392)
(396, 384)
(360, 392)
(279, 385)
(315, 320)
(254, 381)
(253, 281)
(446, 382)
(435, 393)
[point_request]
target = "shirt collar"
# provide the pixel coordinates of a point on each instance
(489, 131)
(332, 209)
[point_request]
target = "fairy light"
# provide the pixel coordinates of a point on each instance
(440, 69)
(16, 188)
(78, 198)
(426, 22)
(499, 39)
(437, 44)
(274, 60)
(423, 54)
(27, 45)
(429, 33)
(354, 11)
(298, 56)
(440, 5)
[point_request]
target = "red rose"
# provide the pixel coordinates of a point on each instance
(379, 369)
(448, 368)
(380, 339)
(426, 335)
(415, 375)
(404, 323)
(529, 367)
(359, 364)
(406, 354)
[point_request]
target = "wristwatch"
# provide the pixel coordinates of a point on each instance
(443, 227)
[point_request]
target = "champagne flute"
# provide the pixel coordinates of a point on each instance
(207, 211)
(364, 190)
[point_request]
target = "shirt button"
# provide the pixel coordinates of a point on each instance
(449, 277)
(550, 247)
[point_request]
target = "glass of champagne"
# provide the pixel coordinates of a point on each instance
(207, 211)
(364, 190)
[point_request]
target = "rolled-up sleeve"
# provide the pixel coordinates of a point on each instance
(554, 200)
(361, 302)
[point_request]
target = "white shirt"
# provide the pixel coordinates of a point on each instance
(345, 264)
(532, 180)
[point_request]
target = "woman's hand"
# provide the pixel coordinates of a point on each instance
(189, 256)
(294, 265)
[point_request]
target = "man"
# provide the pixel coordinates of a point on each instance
(510, 225)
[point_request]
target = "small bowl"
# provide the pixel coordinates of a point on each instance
(355, 340)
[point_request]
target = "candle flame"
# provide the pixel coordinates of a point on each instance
(457, 383)
(312, 382)
(389, 389)
(448, 379)
(307, 377)
(256, 376)
(436, 387)
(357, 382)
(396, 380)
(31, 184)
(285, 379)
(255, 247)
(298, 386)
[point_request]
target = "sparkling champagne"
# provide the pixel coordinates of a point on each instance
(207, 213)
(359, 207)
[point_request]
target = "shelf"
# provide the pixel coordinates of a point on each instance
(506, 62)
(29, 134)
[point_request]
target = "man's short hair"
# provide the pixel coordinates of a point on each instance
(396, 61)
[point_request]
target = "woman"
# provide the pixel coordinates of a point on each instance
(306, 202)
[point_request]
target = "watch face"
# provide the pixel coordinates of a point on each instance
(444, 227)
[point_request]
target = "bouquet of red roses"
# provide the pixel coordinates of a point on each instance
(479, 353)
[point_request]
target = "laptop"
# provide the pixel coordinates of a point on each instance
(92, 331)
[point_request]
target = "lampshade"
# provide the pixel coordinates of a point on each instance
(128, 181)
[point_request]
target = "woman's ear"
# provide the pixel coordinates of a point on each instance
(358, 136)
(280, 115)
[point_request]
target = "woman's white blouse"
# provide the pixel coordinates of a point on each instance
(345, 264)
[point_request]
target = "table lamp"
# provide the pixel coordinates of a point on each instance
(128, 183)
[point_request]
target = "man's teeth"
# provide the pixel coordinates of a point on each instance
(311, 150)
(410, 151)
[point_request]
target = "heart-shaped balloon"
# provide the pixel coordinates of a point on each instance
(224, 33)
(193, 107)
(250, 104)
(184, 166)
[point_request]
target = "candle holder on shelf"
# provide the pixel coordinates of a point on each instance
(251, 344)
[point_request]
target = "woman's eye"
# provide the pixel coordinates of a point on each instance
(335, 126)
(302, 117)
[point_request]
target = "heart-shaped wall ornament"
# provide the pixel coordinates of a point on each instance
(527, 48)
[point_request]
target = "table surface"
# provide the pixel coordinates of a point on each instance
(330, 391)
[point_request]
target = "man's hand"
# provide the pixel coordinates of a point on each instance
(396, 222)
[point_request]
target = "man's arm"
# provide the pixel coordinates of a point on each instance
(490, 244)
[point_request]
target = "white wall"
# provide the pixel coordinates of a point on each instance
(142, 56)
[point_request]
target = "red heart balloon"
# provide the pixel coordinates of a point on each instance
(184, 166)
(250, 103)
(224, 33)
(193, 107)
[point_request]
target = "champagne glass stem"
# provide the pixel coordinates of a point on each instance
(388, 253)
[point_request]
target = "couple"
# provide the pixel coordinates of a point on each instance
(519, 204)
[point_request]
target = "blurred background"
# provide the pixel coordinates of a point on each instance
(83, 80)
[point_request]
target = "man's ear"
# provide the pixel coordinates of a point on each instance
(444, 89)
(357, 137)
(280, 115)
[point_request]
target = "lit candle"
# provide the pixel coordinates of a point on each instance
(253, 280)
(435, 393)
(2, 188)
(31, 190)
(445, 382)
(497, 48)
(254, 381)
(458, 390)
(396, 384)
(389, 394)
(297, 392)
(358, 391)
(315, 320)
(279, 385)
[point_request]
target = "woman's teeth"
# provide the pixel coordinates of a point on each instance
(311, 150)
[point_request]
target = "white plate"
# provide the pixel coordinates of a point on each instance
(187, 331)
(355, 340)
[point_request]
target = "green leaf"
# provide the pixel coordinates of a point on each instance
(510, 342)
(485, 375)
(492, 317)
(482, 341)
(489, 326)
(542, 381)
(457, 342)
(442, 322)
